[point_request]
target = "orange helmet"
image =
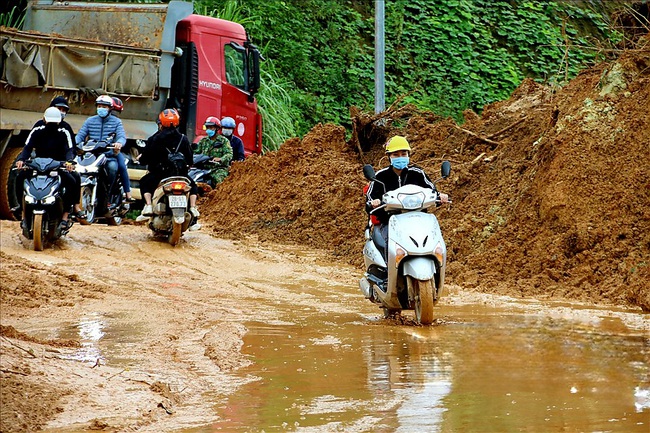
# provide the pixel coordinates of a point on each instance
(169, 118)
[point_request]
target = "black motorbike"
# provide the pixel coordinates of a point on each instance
(102, 194)
(43, 202)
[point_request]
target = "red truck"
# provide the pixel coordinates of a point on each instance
(152, 56)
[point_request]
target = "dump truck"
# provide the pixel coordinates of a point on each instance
(152, 56)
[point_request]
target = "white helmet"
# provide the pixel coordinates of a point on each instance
(52, 115)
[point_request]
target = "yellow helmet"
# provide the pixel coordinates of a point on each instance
(397, 143)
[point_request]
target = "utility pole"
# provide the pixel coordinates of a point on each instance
(380, 47)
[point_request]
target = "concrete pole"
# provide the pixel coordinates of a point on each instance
(380, 82)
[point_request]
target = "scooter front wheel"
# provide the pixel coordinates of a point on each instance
(423, 301)
(37, 227)
(88, 205)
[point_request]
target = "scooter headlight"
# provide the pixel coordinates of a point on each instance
(29, 199)
(411, 201)
(49, 200)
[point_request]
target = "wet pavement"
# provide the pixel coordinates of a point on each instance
(489, 366)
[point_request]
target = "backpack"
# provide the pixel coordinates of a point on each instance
(177, 164)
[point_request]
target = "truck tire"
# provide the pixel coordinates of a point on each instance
(8, 199)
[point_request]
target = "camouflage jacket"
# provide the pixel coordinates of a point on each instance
(218, 148)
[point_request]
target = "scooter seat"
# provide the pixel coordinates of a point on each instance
(379, 240)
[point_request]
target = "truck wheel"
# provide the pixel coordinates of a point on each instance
(8, 199)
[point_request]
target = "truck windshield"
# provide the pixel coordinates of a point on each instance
(235, 61)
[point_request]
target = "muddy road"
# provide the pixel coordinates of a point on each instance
(112, 330)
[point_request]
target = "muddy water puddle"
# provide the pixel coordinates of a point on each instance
(481, 367)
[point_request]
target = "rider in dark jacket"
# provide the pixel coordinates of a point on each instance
(167, 140)
(51, 140)
(398, 174)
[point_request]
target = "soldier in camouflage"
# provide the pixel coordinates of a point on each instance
(218, 147)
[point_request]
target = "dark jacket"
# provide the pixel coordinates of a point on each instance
(62, 124)
(410, 176)
(49, 141)
(237, 148)
(160, 145)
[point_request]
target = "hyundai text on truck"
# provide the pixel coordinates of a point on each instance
(152, 56)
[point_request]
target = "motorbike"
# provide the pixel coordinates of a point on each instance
(199, 172)
(170, 203)
(43, 202)
(406, 271)
(101, 197)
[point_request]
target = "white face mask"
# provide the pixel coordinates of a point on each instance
(226, 131)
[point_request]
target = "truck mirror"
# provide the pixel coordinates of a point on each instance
(445, 169)
(254, 56)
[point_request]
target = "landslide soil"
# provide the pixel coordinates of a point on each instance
(550, 197)
(550, 189)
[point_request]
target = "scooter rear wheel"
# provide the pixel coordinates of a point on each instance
(423, 301)
(177, 229)
(37, 227)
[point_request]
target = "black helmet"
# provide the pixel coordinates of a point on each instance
(60, 101)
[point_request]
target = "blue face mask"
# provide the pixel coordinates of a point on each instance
(102, 112)
(210, 132)
(400, 162)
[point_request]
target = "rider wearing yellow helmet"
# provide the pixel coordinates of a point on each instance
(398, 174)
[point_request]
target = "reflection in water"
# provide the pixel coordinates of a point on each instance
(480, 369)
(89, 330)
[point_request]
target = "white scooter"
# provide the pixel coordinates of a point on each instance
(406, 271)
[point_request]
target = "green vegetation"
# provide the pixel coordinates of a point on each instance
(444, 56)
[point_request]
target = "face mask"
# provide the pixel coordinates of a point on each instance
(227, 132)
(63, 113)
(102, 112)
(400, 162)
(210, 132)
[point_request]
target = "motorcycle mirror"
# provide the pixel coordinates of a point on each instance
(445, 169)
(369, 172)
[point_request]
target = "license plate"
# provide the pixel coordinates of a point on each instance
(177, 201)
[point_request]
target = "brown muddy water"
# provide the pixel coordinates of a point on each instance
(487, 365)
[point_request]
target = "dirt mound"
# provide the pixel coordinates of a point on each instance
(550, 188)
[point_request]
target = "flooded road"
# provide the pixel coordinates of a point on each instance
(509, 368)
(268, 338)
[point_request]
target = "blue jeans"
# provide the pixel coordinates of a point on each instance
(121, 169)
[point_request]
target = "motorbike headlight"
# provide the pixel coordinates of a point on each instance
(29, 199)
(54, 173)
(411, 201)
(80, 168)
(49, 200)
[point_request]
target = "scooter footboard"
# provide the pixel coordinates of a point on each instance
(420, 268)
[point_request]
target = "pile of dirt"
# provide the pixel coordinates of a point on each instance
(550, 188)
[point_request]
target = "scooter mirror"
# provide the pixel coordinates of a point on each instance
(445, 169)
(369, 172)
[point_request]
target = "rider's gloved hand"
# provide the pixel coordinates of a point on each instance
(19, 164)
(444, 198)
(69, 166)
(374, 203)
